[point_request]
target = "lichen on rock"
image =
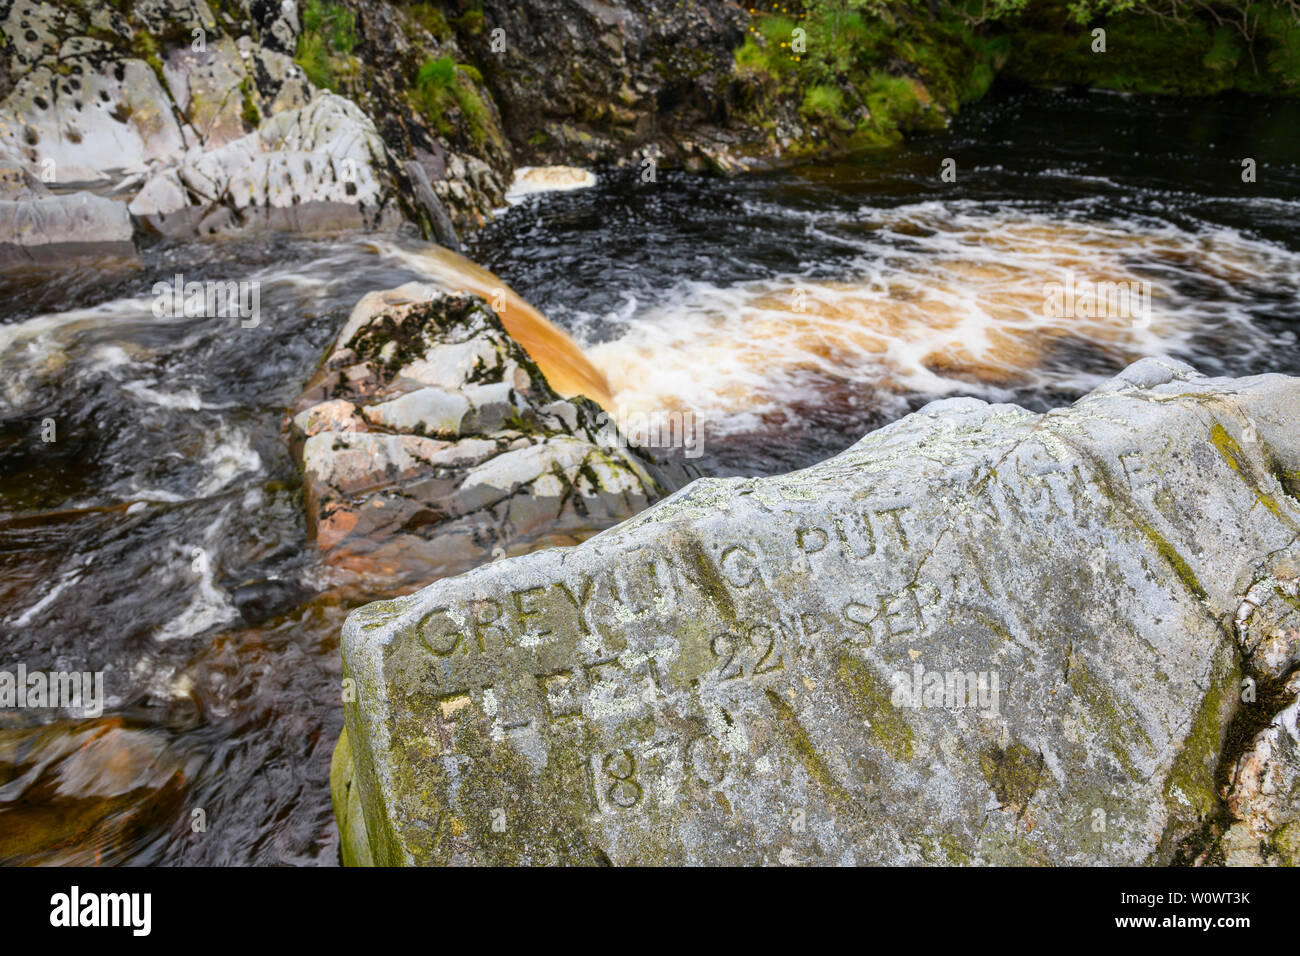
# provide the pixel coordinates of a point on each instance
(431, 441)
(980, 635)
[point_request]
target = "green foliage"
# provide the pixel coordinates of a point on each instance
(1225, 51)
(315, 62)
(823, 102)
(145, 47)
(753, 59)
(431, 18)
(251, 115)
(333, 22)
(1279, 36)
(441, 87)
(328, 37)
(1161, 47)
(840, 60)
(471, 21)
(893, 100)
(436, 74)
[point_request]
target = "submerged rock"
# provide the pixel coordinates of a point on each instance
(979, 635)
(79, 793)
(431, 442)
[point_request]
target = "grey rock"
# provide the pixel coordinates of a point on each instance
(209, 88)
(620, 82)
(48, 227)
(319, 168)
(280, 82)
(87, 126)
(17, 181)
(1263, 795)
(469, 190)
(425, 448)
(432, 411)
(979, 635)
(439, 222)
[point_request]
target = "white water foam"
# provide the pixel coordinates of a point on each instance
(530, 180)
(942, 298)
(209, 605)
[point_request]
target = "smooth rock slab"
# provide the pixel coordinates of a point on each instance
(87, 125)
(318, 168)
(741, 673)
(48, 227)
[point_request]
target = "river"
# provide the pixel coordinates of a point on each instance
(159, 537)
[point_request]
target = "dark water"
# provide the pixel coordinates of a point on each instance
(1160, 177)
(160, 538)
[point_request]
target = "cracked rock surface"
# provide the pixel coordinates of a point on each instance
(315, 168)
(430, 442)
(190, 116)
(979, 635)
(45, 228)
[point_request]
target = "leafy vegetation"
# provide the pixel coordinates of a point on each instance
(1190, 48)
(431, 18)
(442, 88)
(249, 112)
(867, 70)
(328, 37)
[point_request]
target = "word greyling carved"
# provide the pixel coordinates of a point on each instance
(555, 650)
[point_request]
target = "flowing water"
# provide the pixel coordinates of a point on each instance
(159, 538)
(793, 312)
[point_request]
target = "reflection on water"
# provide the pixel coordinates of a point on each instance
(160, 538)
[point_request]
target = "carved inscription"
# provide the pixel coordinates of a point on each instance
(540, 658)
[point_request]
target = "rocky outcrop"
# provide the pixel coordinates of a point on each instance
(1261, 819)
(623, 81)
(979, 635)
(410, 70)
(178, 92)
(318, 168)
(430, 442)
(194, 113)
(100, 92)
(46, 228)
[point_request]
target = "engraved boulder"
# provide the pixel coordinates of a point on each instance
(979, 635)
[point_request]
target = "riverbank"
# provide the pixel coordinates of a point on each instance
(183, 118)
